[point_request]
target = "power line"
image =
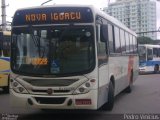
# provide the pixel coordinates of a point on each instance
(46, 2)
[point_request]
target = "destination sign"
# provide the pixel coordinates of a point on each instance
(53, 15)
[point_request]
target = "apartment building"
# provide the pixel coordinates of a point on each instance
(138, 15)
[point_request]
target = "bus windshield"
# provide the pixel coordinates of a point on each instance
(57, 50)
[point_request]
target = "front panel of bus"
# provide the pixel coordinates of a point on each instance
(53, 58)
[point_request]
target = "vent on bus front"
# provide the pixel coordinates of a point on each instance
(50, 82)
(54, 91)
(45, 100)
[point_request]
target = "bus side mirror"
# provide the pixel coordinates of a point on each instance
(103, 33)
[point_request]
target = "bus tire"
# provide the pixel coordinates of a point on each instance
(110, 103)
(6, 89)
(128, 89)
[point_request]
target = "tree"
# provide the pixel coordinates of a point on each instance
(145, 40)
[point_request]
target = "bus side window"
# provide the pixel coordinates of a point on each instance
(122, 39)
(104, 33)
(102, 44)
(155, 52)
(110, 38)
(149, 54)
(127, 42)
(117, 40)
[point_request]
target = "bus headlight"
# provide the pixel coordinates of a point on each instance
(17, 87)
(84, 88)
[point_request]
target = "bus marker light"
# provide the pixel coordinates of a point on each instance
(81, 89)
(83, 101)
(21, 89)
(87, 84)
(15, 84)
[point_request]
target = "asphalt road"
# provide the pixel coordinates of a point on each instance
(144, 99)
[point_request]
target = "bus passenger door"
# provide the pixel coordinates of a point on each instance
(102, 55)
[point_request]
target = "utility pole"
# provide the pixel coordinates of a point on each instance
(108, 3)
(3, 6)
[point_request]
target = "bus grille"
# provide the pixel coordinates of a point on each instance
(50, 82)
(54, 91)
(45, 100)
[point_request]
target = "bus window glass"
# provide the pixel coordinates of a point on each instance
(110, 37)
(102, 51)
(142, 53)
(104, 33)
(136, 45)
(156, 52)
(43, 33)
(117, 40)
(123, 46)
(131, 43)
(149, 54)
(127, 42)
(6, 46)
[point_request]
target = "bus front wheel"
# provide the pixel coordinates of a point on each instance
(110, 103)
(6, 89)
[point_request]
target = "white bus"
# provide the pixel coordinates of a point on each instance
(149, 58)
(70, 57)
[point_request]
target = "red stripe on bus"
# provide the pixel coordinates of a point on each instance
(130, 66)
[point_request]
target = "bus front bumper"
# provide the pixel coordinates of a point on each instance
(80, 101)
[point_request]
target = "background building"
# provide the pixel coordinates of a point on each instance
(138, 15)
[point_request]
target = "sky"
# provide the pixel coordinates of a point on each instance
(13, 5)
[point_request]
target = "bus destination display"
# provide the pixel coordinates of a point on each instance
(52, 15)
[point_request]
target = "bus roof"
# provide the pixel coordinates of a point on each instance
(95, 11)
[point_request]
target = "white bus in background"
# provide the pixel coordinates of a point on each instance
(70, 57)
(149, 58)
